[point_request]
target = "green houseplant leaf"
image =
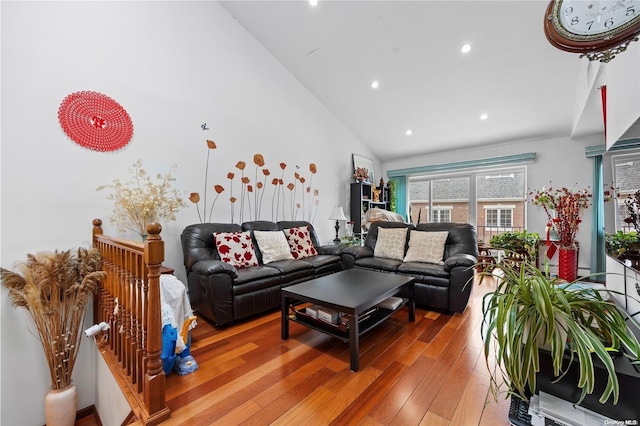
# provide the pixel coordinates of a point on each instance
(529, 312)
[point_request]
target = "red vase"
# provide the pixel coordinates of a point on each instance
(567, 264)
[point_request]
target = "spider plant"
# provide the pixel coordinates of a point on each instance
(529, 310)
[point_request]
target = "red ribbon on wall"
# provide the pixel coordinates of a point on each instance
(603, 95)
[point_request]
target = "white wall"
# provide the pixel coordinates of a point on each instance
(623, 91)
(172, 66)
(561, 161)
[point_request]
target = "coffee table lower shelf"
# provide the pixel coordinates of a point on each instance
(342, 331)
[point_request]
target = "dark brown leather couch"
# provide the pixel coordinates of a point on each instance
(223, 294)
(444, 287)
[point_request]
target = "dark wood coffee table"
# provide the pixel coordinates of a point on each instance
(352, 292)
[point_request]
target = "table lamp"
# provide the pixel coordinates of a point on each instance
(337, 214)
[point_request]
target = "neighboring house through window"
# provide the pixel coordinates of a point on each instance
(626, 175)
(493, 200)
(500, 217)
(441, 214)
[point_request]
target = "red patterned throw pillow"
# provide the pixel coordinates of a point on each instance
(236, 248)
(300, 242)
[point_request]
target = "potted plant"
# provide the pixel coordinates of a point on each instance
(55, 288)
(517, 244)
(563, 207)
(528, 310)
(621, 242)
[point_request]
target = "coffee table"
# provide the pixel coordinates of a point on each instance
(352, 292)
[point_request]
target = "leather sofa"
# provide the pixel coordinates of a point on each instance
(444, 287)
(223, 293)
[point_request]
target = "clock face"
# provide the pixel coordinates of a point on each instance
(585, 19)
(589, 26)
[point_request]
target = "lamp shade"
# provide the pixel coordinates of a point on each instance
(337, 214)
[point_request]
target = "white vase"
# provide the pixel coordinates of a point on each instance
(60, 406)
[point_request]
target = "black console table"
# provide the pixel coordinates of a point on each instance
(628, 406)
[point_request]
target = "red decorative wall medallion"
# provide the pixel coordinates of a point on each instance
(95, 121)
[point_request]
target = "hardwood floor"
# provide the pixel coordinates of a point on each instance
(430, 372)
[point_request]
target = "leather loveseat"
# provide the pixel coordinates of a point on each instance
(223, 293)
(445, 285)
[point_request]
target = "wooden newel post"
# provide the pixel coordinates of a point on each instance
(154, 381)
(97, 230)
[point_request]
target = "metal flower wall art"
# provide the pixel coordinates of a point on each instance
(292, 198)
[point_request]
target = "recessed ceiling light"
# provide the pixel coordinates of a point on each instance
(313, 2)
(466, 48)
(484, 117)
(375, 84)
(409, 132)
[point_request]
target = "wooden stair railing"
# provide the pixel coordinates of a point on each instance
(129, 301)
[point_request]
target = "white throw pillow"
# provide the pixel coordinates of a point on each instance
(391, 243)
(426, 246)
(273, 245)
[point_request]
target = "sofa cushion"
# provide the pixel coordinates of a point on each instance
(426, 247)
(321, 260)
(462, 237)
(287, 267)
(236, 248)
(379, 263)
(391, 243)
(422, 269)
(264, 274)
(273, 246)
(299, 239)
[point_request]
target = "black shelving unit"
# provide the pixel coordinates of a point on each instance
(362, 200)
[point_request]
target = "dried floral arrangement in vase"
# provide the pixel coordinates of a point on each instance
(141, 201)
(55, 288)
(568, 205)
(361, 174)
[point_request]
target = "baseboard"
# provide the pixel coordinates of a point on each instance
(89, 411)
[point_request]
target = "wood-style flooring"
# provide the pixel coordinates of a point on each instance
(430, 372)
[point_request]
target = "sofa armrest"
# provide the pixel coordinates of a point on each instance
(358, 252)
(331, 249)
(210, 267)
(461, 259)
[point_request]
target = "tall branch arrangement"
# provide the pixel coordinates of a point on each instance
(302, 198)
(632, 202)
(55, 288)
(567, 205)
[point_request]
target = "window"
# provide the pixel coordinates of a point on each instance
(441, 215)
(626, 175)
(499, 217)
(493, 200)
(439, 199)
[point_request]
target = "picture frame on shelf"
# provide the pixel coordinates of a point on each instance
(366, 163)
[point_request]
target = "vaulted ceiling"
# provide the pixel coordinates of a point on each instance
(525, 86)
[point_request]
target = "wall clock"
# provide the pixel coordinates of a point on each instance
(598, 30)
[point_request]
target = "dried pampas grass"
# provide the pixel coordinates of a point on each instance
(55, 288)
